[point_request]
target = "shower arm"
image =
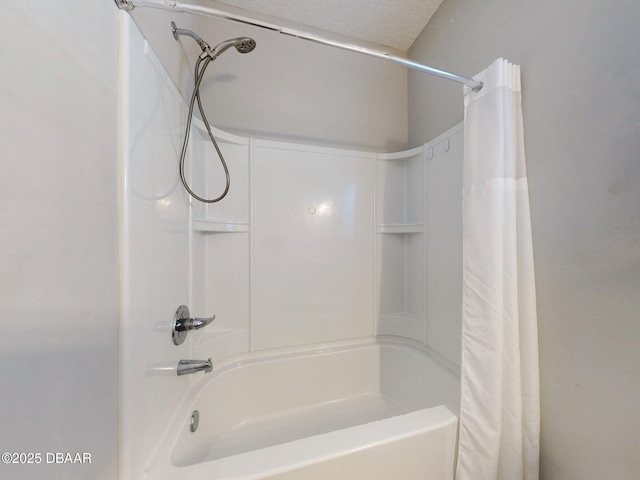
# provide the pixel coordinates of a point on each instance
(182, 7)
(183, 31)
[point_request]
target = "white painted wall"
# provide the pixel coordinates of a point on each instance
(581, 95)
(58, 281)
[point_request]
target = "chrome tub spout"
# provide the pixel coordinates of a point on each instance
(193, 366)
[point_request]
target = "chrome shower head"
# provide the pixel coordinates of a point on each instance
(245, 45)
(242, 45)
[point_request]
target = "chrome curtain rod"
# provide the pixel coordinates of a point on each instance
(181, 7)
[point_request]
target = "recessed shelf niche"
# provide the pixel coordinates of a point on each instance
(400, 244)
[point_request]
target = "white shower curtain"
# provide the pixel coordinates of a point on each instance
(500, 405)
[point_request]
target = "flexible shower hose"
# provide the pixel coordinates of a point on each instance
(199, 74)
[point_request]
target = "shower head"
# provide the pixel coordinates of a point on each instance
(242, 45)
(245, 45)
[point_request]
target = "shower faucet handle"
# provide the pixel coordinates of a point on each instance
(182, 323)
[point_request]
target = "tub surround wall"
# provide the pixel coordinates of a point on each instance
(443, 190)
(312, 245)
(154, 250)
(419, 244)
(289, 258)
(580, 81)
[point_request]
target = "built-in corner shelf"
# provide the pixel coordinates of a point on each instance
(219, 226)
(401, 243)
(400, 192)
(401, 156)
(403, 324)
(400, 228)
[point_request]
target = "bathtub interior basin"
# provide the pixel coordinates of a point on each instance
(267, 413)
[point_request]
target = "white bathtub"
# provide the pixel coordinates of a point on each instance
(359, 410)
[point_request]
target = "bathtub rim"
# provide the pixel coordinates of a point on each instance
(281, 458)
(242, 360)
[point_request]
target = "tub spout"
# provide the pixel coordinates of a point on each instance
(193, 366)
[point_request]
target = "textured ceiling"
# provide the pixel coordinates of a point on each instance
(394, 23)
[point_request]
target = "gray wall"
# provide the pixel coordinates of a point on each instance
(58, 280)
(581, 87)
(286, 89)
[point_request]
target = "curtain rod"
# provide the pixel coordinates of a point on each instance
(182, 7)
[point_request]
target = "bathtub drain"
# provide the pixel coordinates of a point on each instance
(194, 421)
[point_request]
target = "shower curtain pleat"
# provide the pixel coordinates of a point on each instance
(500, 404)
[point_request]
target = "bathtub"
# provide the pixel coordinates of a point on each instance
(367, 409)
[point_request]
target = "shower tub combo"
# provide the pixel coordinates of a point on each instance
(359, 407)
(366, 409)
